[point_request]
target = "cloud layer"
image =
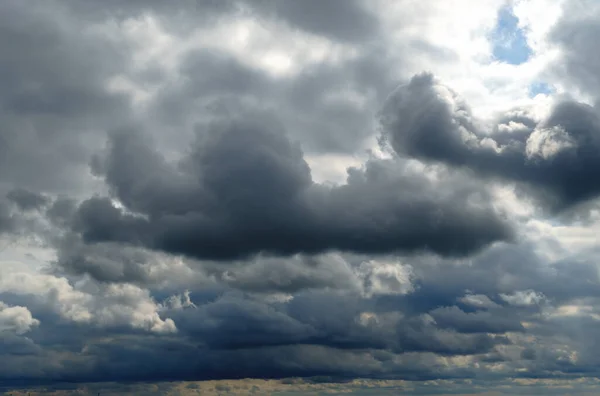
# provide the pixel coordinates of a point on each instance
(308, 196)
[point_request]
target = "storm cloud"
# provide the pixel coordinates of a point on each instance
(245, 189)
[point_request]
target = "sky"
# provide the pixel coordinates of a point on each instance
(285, 197)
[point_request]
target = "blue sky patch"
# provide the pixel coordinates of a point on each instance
(510, 45)
(537, 88)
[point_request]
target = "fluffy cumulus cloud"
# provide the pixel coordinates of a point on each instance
(16, 319)
(299, 197)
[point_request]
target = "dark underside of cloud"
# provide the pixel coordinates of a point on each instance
(245, 189)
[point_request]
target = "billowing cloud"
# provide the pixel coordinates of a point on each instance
(16, 319)
(556, 158)
(121, 304)
(245, 189)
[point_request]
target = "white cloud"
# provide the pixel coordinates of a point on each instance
(524, 298)
(380, 277)
(478, 301)
(548, 142)
(16, 319)
(110, 305)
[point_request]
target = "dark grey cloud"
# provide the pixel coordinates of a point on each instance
(327, 107)
(575, 35)
(313, 319)
(475, 322)
(7, 221)
(555, 160)
(61, 211)
(246, 189)
(340, 20)
(209, 80)
(180, 16)
(105, 262)
(340, 333)
(27, 200)
(53, 102)
(324, 113)
(279, 275)
(115, 263)
(500, 270)
(211, 343)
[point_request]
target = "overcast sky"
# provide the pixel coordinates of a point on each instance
(300, 196)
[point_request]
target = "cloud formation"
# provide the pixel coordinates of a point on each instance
(245, 197)
(245, 189)
(556, 157)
